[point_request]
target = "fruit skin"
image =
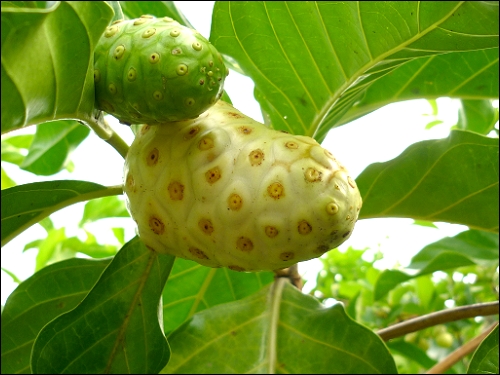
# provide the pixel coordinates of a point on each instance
(149, 70)
(226, 191)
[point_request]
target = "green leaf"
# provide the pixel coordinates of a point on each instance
(12, 276)
(470, 75)
(278, 329)
(135, 9)
(49, 246)
(465, 249)
(412, 352)
(485, 359)
(25, 205)
(52, 146)
(7, 182)
(47, 294)
(477, 116)
(115, 329)
(474, 244)
(192, 288)
(438, 180)
(14, 147)
(311, 61)
(103, 208)
(425, 223)
(47, 62)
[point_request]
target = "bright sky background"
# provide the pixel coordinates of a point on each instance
(377, 137)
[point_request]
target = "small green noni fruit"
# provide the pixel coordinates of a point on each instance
(226, 191)
(150, 70)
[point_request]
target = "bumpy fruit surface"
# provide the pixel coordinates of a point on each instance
(226, 191)
(150, 70)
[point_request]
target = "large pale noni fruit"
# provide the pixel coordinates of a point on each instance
(226, 191)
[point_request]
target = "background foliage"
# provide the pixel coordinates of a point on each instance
(316, 66)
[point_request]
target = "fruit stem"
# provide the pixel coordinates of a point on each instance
(101, 127)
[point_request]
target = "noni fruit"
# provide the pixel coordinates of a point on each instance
(150, 70)
(227, 191)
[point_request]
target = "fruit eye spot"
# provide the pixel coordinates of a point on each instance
(197, 253)
(158, 95)
(235, 202)
(192, 132)
(291, 145)
(140, 21)
(304, 227)
(271, 231)
(236, 268)
(332, 208)
(210, 73)
(110, 31)
(176, 51)
(256, 157)
(276, 190)
(312, 175)
(202, 82)
(119, 51)
(189, 102)
(149, 33)
(130, 182)
(154, 58)
(346, 234)
(156, 225)
(287, 255)
(175, 33)
(213, 175)
(176, 191)
(244, 244)
(206, 143)
(322, 249)
(112, 88)
(211, 63)
(131, 74)
(245, 129)
(181, 69)
(145, 128)
(153, 157)
(206, 226)
(97, 75)
(197, 46)
(167, 19)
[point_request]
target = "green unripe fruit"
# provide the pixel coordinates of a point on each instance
(226, 191)
(152, 70)
(444, 339)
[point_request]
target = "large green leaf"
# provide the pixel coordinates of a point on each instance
(312, 60)
(477, 115)
(465, 249)
(104, 208)
(25, 205)
(135, 9)
(471, 75)
(485, 359)
(52, 146)
(47, 294)
(277, 330)
(192, 288)
(453, 180)
(116, 328)
(47, 61)
(13, 148)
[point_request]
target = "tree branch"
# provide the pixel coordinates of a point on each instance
(440, 317)
(459, 353)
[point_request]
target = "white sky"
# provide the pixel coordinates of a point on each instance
(377, 137)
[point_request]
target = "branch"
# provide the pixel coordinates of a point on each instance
(440, 317)
(291, 273)
(100, 126)
(458, 354)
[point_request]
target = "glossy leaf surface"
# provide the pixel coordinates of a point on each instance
(116, 328)
(47, 62)
(437, 180)
(311, 61)
(25, 205)
(277, 330)
(47, 294)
